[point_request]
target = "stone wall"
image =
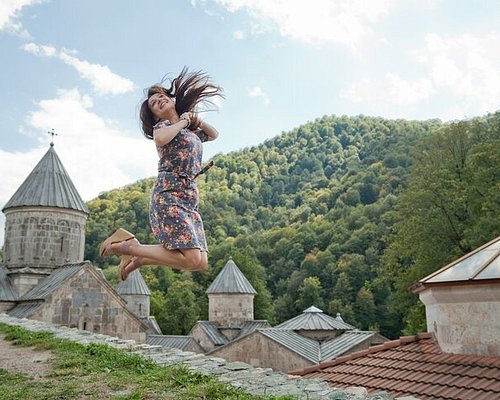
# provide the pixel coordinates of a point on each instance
(42, 237)
(226, 309)
(87, 303)
(258, 350)
(24, 280)
(465, 319)
(194, 347)
(255, 381)
(138, 304)
(202, 338)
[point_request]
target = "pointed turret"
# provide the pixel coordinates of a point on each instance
(136, 293)
(48, 185)
(231, 280)
(45, 223)
(230, 297)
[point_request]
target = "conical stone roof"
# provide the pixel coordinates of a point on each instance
(48, 185)
(135, 284)
(231, 280)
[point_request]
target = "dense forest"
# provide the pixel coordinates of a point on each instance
(344, 213)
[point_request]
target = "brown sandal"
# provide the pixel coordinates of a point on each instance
(125, 262)
(121, 235)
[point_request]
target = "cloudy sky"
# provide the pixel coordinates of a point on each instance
(80, 67)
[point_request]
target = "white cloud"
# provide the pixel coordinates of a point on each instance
(257, 92)
(408, 92)
(392, 89)
(342, 22)
(103, 80)
(466, 66)
(9, 14)
(239, 35)
(97, 155)
(462, 71)
(39, 50)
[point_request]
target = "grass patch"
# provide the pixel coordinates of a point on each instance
(98, 371)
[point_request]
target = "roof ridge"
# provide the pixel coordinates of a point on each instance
(371, 350)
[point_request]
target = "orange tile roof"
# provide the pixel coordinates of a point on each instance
(413, 366)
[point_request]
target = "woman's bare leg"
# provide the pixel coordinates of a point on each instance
(184, 259)
(137, 262)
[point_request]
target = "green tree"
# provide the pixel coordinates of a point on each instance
(346, 312)
(364, 308)
(343, 289)
(158, 309)
(310, 294)
(181, 308)
(302, 201)
(450, 207)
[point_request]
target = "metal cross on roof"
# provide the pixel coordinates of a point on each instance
(52, 133)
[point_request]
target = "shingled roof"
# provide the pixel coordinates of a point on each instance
(7, 290)
(231, 280)
(413, 366)
(172, 341)
(32, 300)
(313, 319)
(52, 282)
(212, 331)
(48, 185)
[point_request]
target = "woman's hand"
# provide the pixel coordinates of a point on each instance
(188, 116)
(209, 130)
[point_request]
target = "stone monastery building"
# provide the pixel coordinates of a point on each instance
(43, 275)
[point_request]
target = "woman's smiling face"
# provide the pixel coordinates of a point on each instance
(161, 105)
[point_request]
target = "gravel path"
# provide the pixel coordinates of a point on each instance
(27, 360)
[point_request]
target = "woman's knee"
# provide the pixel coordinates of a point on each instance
(195, 260)
(203, 264)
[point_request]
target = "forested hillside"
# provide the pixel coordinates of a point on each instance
(341, 213)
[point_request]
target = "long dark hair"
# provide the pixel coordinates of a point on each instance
(189, 89)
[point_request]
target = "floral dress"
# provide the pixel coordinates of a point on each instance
(173, 210)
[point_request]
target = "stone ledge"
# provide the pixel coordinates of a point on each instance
(256, 381)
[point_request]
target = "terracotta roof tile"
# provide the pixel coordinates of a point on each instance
(414, 366)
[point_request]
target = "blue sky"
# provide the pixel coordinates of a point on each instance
(80, 67)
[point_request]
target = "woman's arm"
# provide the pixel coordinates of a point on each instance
(165, 134)
(209, 130)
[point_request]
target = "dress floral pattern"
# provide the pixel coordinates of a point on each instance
(173, 209)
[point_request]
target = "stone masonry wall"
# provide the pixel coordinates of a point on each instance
(465, 319)
(138, 304)
(258, 350)
(43, 237)
(84, 303)
(227, 309)
(201, 337)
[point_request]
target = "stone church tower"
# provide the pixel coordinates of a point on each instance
(230, 297)
(43, 275)
(45, 224)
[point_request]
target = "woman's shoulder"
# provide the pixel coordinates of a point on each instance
(161, 123)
